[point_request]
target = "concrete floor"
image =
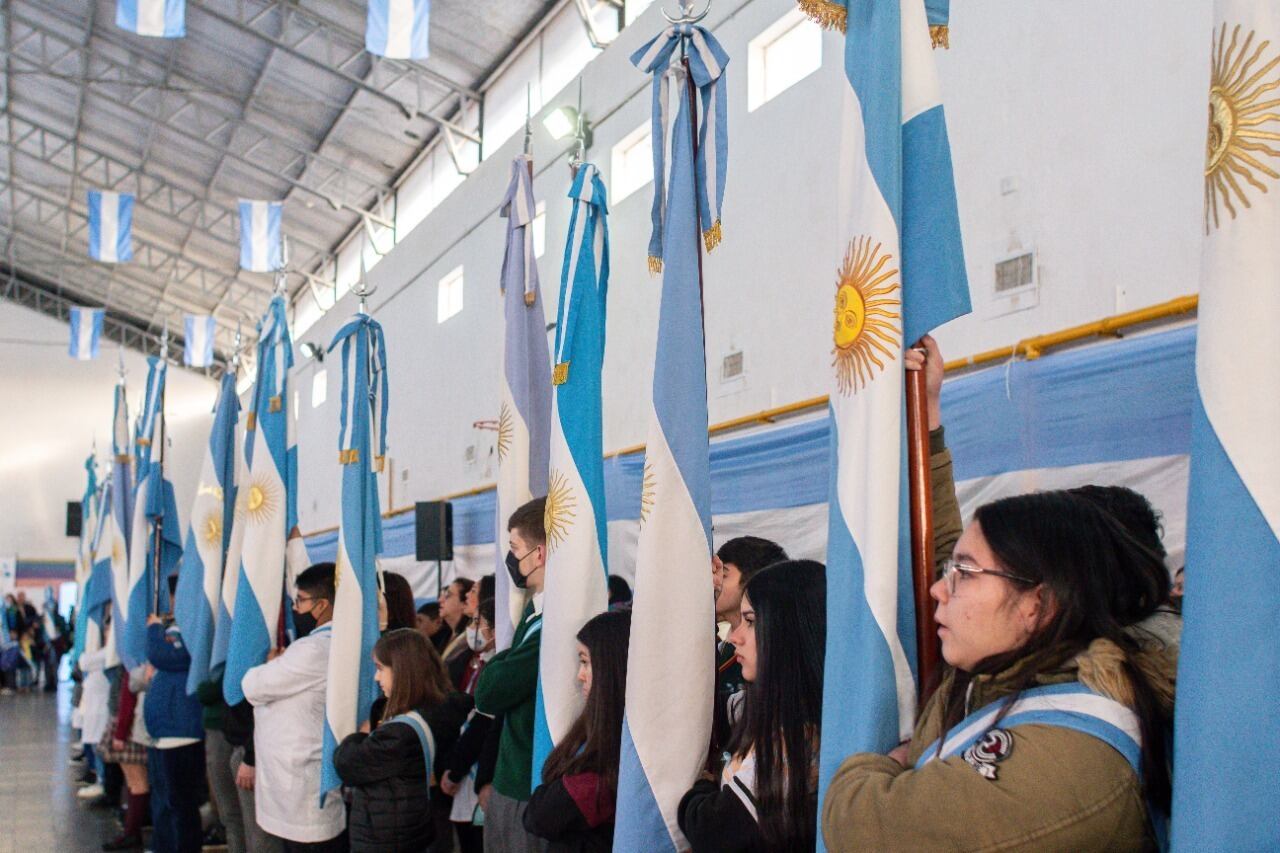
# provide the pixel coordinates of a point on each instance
(39, 811)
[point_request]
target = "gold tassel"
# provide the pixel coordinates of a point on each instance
(655, 265)
(274, 404)
(712, 236)
(825, 13)
(560, 374)
(940, 35)
(144, 442)
(379, 462)
(251, 421)
(348, 456)
(530, 297)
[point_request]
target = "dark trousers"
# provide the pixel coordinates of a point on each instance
(177, 789)
(333, 845)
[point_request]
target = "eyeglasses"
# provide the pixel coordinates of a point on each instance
(953, 569)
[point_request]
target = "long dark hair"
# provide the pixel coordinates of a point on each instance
(594, 740)
(783, 717)
(1101, 579)
(418, 674)
(399, 594)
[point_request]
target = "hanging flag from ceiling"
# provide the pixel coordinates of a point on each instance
(156, 18)
(110, 226)
(261, 246)
(86, 331)
(199, 340)
(397, 29)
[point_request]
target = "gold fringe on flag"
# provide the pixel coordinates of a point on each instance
(379, 462)
(530, 297)
(144, 442)
(560, 374)
(348, 456)
(712, 236)
(274, 404)
(825, 13)
(655, 265)
(940, 35)
(251, 421)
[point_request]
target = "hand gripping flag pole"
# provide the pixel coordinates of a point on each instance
(665, 734)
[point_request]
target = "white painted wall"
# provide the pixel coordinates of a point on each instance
(53, 409)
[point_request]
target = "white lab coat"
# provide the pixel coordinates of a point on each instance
(287, 695)
(95, 692)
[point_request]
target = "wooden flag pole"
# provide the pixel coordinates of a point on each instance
(922, 552)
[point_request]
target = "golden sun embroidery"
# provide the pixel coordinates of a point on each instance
(1236, 110)
(211, 529)
(561, 509)
(262, 501)
(648, 489)
(864, 315)
(506, 427)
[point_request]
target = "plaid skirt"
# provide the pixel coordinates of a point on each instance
(133, 752)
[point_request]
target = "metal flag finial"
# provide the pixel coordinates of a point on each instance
(528, 117)
(687, 15)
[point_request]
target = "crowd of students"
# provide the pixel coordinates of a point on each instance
(1055, 594)
(32, 643)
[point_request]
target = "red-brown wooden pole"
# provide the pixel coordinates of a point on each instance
(922, 555)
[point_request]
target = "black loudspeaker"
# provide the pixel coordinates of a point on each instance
(73, 518)
(433, 526)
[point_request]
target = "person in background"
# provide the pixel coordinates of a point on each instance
(462, 776)
(218, 749)
(427, 620)
(453, 604)
(398, 596)
(573, 808)
(1176, 591)
(175, 762)
(508, 687)
(94, 713)
(480, 590)
(58, 639)
(619, 592)
(287, 693)
(237, 725)
(1039, 597)
(127, 746)
(766, 796)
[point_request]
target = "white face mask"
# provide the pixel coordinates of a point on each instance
(475, 642)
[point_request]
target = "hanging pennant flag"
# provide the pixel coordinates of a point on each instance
(156, 537)
(665, 732)
(398, 29)
(261, 246)
(902, 274)
(119, 523)
(209, 533)
(362, 446)
(86, 332)
(271, 554)
(198, 349)
(226, 605)
(110, 226)
(1225, 797)
(577, 580)
(524, 417)
(156, 18)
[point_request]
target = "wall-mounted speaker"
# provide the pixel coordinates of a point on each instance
(433, 528)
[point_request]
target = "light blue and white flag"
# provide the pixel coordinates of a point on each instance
(398, 29)
(156, 536)
(902, 275)
(156, 18)
(198, 349)
(110, 226)
(226, 606)
(362, 446)
(209, 533)
(271, 551)
(90, 533)
(1227, 723)
(577, 580)
(119, 523)
(524, 418)
(86, 332)
(261, 244)
(665, 732)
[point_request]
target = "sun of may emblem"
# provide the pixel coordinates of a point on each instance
(506, 426)
(561, 509)
(864, 314)
(648, 491)
(212, 529)
(1237, 146)
(262, 501)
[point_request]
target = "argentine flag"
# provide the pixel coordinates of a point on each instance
(524, 418)
(665, 731)
(110, 226)
(900, 274)
(577, 535)
(269, 557)
(362, 446)
(90, 535)
(398, 29)
(86, 331)
(226, 604)
(1229, 673)
(261, 244)
(200, 579)
(157, 18)
(119, 523)
(198, 349)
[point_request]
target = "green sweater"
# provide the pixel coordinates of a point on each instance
(508, 686)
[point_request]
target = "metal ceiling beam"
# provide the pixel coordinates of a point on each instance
(80, 98)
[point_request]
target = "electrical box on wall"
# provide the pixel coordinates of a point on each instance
(1016, 285)
(733, 373)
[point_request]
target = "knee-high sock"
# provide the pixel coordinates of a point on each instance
(135, 817)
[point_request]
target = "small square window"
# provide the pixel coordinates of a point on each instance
(632, 163)
(540, 230)
(449, 298)
(319, 388)
(781, 56)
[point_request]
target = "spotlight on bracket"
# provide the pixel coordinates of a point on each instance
(561, 122)
(312, 350)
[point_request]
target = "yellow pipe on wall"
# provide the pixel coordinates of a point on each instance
(1029, 348)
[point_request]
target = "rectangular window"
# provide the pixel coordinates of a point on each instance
(781, 56)
(319, 388)
(540, 230)
(449, 298)
(632, 163)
